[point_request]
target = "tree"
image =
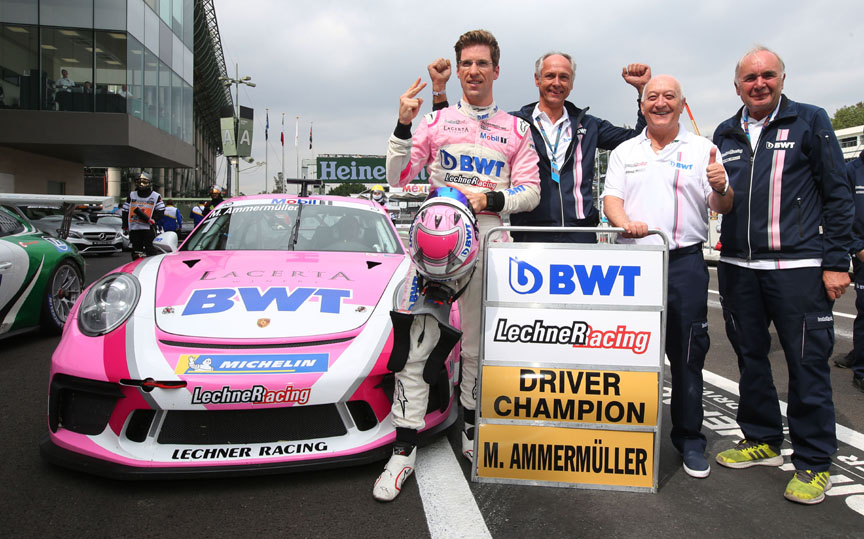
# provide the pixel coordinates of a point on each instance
(347, 189)
(849, 116)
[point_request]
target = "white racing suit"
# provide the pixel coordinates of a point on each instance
(480, 149)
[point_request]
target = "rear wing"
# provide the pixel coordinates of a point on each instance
(67, 203)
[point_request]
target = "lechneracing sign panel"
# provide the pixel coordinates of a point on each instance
(572, 364)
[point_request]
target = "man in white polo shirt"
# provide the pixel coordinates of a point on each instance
(667, 178)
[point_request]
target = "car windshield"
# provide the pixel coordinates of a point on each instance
(109, 220)
(259, 225)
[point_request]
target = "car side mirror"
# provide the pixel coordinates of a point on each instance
(166, 242)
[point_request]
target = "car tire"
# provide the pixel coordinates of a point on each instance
(61, 291)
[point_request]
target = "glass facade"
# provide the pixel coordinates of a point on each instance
(19, 66)
(116, 56)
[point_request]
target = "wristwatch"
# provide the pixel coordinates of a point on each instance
(723, 192)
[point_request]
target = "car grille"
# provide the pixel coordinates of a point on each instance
(99, 236)
(251, 426)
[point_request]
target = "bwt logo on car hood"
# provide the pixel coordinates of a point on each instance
(562, 279)
(253, 299)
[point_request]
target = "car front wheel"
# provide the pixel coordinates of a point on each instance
(61, 292)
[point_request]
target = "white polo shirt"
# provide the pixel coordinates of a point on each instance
(667, 190)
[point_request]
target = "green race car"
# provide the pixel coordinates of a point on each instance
(40, 276)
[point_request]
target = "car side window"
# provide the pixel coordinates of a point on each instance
(9, 225)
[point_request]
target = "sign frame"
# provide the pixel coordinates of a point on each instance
(655, 367)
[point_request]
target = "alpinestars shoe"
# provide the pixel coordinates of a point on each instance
(468, 442)
(808, 487)
(398, 469)
(747, 453)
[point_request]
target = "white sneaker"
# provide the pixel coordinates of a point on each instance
(467, 447)
(389, 483)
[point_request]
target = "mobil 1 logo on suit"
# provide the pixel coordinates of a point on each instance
(576, 277)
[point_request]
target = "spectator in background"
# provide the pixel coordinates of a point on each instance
(197, 212)
(64, 83)
(171, 220)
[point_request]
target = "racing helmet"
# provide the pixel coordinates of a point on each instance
(215, 190)
(377, 193)
(143, 184)
(442, 240)
(143, 180)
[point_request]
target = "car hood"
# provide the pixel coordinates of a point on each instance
(271, 294)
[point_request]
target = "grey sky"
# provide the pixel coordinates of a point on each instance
(343, 65)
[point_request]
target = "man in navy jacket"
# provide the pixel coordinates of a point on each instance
(785, 259)
(568, 134)
(566, 138)
(855, 172)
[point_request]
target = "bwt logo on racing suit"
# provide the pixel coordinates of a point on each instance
(526, 279)
(470, 163)
(217, 300)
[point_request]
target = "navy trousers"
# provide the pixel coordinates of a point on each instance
(687, 343)
(796, 302)
(858, 326)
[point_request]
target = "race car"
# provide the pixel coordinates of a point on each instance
(260, 345)
(40, 276)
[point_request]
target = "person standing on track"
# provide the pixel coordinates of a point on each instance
(785, 259)
(489, 156)
(667, 178)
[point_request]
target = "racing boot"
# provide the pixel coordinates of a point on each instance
(398, 469)
(468, 435)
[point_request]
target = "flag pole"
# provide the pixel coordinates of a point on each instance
(297, 144)
(687, 106)
(266, 148)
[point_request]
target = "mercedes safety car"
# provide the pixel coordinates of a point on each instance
(260, 345)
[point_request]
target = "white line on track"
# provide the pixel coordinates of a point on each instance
(451, 510)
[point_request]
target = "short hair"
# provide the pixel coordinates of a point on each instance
(169, 202)
(538, 65)
(754, 50)
(478, 37)
(677, 83)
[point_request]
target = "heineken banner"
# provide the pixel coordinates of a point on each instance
(348, 169)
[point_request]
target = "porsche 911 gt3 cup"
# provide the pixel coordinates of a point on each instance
(40, 276)
(260, 345)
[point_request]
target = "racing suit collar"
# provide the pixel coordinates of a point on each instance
(477, 113)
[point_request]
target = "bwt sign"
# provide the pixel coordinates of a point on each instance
(584, 277)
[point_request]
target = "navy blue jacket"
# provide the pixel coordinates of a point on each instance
(792, 198)
(557, 205)
(855, 174)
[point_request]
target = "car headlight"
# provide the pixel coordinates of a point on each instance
(108, 303)
(73, 234)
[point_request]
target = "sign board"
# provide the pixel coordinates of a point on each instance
(350, 169)
(571, 365)
(229, 140)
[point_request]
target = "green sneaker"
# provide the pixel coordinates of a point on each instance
(808, 487)
(747, 453)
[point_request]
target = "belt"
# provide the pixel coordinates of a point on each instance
(689, 250)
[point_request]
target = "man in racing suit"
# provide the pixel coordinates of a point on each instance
(489, 156)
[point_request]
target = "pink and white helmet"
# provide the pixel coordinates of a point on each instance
(443, 239)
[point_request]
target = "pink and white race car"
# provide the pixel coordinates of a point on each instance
(260, 345)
